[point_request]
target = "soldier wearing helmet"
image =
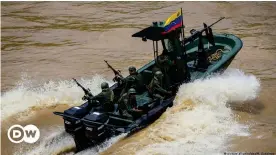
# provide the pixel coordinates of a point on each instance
(165, 65)
(127, 103)
(134, 80)
(132, 70)
(105, 97)
(156, 86)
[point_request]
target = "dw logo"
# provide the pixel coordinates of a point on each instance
(29, 133)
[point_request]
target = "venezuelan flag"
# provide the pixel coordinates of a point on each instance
(173, 22)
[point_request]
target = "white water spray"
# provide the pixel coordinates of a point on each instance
(102, 147)
(199, 122)
(61, 142)
(24, 96)
(58, 141)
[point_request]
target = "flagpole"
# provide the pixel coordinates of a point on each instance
(183, 35)
(187, 73)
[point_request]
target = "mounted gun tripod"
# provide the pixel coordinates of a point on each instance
(202, 61)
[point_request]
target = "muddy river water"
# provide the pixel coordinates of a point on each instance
(45, 44)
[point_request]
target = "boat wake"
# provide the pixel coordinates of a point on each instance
(25, 98)
(102, 147)
(61, 143)
(198, 123)
(26, 101)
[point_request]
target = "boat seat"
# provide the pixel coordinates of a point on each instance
(143, 99)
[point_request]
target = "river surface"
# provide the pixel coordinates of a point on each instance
(45, 44)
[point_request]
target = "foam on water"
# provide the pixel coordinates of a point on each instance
(102, 147)
(61, 142)
(199, 122)
(24, 96)
(58, 141)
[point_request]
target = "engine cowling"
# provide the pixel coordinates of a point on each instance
(95, 125)
(73, 124)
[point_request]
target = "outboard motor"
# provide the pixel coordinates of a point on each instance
(95, 126)
(73, 124)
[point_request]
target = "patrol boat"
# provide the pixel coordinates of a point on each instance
(193, 57)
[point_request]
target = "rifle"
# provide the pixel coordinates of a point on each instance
(196, 33)
(86, 91)
(116, 72)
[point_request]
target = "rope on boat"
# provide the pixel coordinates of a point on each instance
(215, 56)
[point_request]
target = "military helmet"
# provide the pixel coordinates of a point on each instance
(158, 74)
(131, 91)
(104, 85)
(132, 69)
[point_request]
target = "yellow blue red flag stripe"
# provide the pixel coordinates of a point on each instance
(173, 22)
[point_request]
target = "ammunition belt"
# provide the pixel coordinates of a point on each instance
(215, 56)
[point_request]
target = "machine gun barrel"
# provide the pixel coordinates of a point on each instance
(86, 91)
(221, 18)
(195, 33)
(116, 72)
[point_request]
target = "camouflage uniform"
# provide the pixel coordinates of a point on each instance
(164, 63)
(181, 70)
(134, 80)
(127, 102)
(105, 98)
(156, 87)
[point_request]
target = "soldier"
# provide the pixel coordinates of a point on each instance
(105, 98)
(156, 86)
(164, 63)
(127, 102)
(134, 80)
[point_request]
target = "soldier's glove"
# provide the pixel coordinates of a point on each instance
(85, 97)
(117, 78)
